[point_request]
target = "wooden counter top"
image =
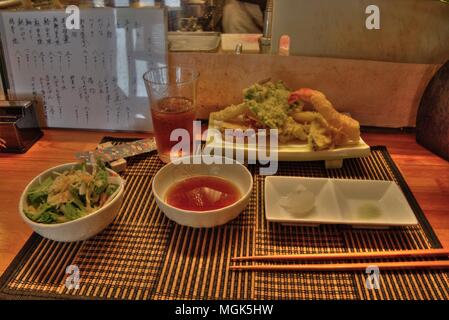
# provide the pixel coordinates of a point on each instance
(426, 174)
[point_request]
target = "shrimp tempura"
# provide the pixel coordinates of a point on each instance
(342, 123)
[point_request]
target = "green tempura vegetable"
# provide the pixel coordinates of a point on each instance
(269, 102)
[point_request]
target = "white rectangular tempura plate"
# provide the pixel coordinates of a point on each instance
(360, 203)
(296, 151)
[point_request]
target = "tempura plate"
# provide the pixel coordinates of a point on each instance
(298, 151)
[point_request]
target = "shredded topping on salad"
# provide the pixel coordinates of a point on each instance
(71, 194)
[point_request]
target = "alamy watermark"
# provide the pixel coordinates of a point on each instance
(372, 280)
(73, 277)
(72, 21)
(372, 22)
(244, 146)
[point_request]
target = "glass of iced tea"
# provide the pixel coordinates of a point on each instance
(172, 95)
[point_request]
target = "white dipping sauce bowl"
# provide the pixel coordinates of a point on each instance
(79, 229)
(173, 173)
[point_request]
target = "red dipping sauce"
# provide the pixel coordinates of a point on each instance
(202, 193)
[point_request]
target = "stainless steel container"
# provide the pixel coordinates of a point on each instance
(19, 127)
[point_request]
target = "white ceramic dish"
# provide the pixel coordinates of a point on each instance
(79, 229)
(361, 203)
(299, 151)
(172, 173)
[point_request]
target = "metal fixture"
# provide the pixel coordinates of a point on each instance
(192, 15)
(265, 40)
(239, 48)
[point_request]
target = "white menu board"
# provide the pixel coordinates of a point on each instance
(87, 78)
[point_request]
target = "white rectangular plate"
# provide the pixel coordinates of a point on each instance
(297, 151)
(361, 203)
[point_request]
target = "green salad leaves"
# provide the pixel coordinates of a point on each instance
(71, 194)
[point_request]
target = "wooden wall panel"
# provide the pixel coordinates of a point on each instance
(415, 31)
(384, 94)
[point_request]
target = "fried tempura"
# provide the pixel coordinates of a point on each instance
(346, 128)
(292, 130)
(272, 106)
(308, 117)
(230, 112)
(320, 137)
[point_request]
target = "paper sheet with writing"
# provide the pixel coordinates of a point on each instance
(86, 78)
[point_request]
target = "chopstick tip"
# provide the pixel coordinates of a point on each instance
(237, 258)
(235, 268)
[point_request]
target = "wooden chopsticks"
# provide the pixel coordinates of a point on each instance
(440, 264)
(409, 265)
(350, 255)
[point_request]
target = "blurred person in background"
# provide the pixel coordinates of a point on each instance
(243, 16)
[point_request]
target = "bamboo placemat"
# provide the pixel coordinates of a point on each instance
(143, 255)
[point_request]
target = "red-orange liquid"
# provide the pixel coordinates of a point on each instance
(202, 193)
(171, 113)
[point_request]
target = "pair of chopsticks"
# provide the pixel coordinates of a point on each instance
(400, 254)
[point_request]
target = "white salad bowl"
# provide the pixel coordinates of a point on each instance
(79, 229)
(172, 173)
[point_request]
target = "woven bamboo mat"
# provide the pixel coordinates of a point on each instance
(143, 255)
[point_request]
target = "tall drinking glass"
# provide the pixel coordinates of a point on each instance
(172, 94)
